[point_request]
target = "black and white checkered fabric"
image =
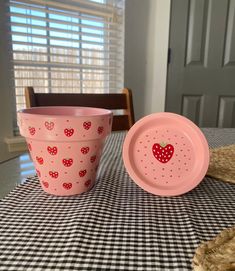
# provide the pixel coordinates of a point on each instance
(116, 225)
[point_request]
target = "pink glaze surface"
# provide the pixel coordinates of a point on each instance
(166, 154)
(65, 144)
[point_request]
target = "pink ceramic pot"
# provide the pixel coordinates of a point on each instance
(65, 144)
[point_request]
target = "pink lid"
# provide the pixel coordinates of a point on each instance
(166, 154)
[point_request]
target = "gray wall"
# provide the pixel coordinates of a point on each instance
(146, 45)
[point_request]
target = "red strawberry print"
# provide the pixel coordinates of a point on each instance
(52, 150)
(38, 173)
(46, 184)
(82, 173)
(29, 147)
(32, 130)
(40, 160)
(87, 125)
(100, 130)
(93, 158)
(68, 132)
(163, 152)
(67, 162)
(67, 186)
(54, 174)
(49, 125)
(87, 183)
(85, 150)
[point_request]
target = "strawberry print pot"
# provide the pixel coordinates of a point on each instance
(65, 144)
(166, 154)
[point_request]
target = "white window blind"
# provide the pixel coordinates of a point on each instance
(66, 46)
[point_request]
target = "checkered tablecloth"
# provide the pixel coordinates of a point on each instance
(116, 225)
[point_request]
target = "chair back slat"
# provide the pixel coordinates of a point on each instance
(120, 121)
(108, 101)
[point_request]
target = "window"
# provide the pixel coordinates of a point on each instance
(66, 46)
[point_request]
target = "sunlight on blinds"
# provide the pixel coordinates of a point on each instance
(69, 46)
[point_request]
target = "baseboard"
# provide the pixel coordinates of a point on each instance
(16, 144)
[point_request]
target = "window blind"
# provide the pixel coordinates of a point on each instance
(66, 46)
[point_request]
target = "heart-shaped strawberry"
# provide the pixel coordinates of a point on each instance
(67, 162)
(163, 152)
(100, 130)
(49, 125)
(29, 147)
(52, 150)
(87, 125)
(54, 174)
(38, 173)
(87, 183)
(82, 173)
(67, 186)
(85, 150)
(68, 132)
(40, 160)
(93, 158)
(32, 130)
(46, 184)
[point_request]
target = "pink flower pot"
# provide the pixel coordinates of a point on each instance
(65, 144)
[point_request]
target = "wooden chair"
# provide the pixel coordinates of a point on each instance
(111, 101)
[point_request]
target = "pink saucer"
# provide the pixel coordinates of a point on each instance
(166, 154)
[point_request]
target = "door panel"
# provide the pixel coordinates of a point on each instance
(226, 112)
(229, 54)
(201, 75)
(196, 32)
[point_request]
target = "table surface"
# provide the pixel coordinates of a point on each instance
(116, 225)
